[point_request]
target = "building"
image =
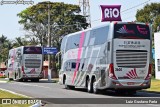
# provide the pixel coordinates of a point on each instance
(157, 54)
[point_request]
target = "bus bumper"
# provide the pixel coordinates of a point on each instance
(32, 76)
(116, 85)
(136, 85)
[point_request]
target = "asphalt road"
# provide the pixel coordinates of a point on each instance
(44, 89)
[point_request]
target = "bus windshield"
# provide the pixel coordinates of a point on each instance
(32, 50)
(131, 31)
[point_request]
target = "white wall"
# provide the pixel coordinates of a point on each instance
(157, 54)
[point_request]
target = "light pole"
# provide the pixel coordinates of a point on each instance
(49, 44)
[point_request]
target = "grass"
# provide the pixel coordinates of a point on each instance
(155, 86)
(4, 94)
(2, 76)
(3, 80)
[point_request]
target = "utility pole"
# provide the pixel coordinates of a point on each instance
(84, 5)
(49, 44)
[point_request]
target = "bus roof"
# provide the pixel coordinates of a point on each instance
(107, 24)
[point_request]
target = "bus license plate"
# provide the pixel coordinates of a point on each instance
(130, 83)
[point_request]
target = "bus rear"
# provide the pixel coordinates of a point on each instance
(32, 63)
(131, 67)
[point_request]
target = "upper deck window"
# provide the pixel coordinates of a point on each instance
(131, 31)
(32, 50)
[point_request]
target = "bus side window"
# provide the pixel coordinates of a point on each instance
(82, 67)
(10, 65)
(108, 46)
(73, 66)
(78, 66)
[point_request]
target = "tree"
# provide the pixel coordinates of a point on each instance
(4, 46)
(7, 44)
(64, 19)
(150, 14)
(19, 41)
(2, 39)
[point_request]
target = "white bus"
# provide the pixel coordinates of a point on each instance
(25, 63)
(113, 56)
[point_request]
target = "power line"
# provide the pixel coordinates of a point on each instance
(128, 9)
(135, 6)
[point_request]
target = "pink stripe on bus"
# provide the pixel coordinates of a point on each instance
(79, 55)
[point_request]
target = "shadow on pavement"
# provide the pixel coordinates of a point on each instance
(41, 81)
(115, 94)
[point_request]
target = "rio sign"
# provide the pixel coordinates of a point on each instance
(111, 13)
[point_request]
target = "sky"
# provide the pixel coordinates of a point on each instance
(9, 21)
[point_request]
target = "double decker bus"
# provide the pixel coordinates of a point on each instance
(113, 56)
(25, 63)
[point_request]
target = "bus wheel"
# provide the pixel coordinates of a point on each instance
(64, 82)
(15, 76)
(95, 90)
(89, 87)
(71, 87)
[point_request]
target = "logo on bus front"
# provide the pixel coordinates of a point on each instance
(142, 30)
(125, 30)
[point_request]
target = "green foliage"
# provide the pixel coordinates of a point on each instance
(64, 19)
(6, 45)
(150, 14)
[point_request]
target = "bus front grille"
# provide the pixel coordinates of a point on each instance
(32, 63)
(131, 58)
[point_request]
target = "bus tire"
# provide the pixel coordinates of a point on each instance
(95, 90)
(15, 76)
(71, 87)
(89, 86)
(64, 82)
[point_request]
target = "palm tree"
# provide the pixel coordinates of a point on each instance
(3, 39)
(20, 42)
(3, 48)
